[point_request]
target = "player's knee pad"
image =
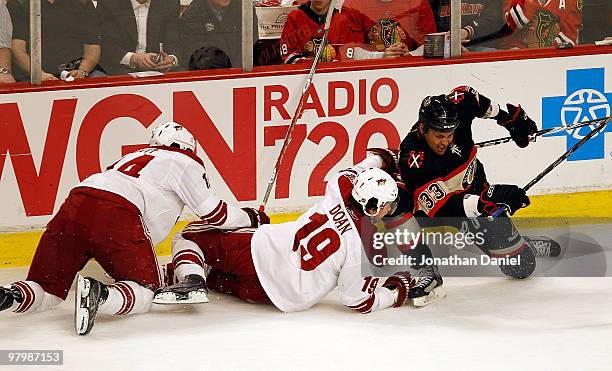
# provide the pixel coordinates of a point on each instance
(523, 266)
(33, 298)
(127, 297)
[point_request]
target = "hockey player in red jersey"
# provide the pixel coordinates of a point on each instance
(117, 217)
(304, 30)
(543, 23)
(444, 178)
(294, 265)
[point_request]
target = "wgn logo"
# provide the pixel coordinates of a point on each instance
(585, 100)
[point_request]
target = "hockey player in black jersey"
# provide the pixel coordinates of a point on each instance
(443, 178)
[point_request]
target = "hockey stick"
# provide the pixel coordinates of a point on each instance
(494, 142)
(559, 160)
(300, 107)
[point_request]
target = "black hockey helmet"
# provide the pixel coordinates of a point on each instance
(438, 113)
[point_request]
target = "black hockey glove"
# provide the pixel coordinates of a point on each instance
(518, 124)
(390, 158)
(257, 217)
(466, 98)
(498, 195)
(403, 282)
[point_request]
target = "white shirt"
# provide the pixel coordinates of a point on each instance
(6, 27)
(299, 263)
(160, 181)
(141, 12)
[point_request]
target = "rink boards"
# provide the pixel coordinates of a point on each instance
(54, 138)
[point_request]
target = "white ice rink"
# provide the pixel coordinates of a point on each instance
(483, 324)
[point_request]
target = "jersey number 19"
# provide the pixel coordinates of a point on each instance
(320, 246)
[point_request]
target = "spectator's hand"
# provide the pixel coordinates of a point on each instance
(144, 61)
(396, 50)
(48, 77)
(6, 78)
(77, 74)
(166, 63)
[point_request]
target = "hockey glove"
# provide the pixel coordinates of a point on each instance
(390, 159)
(518, 124)
(466, 97)
(402, 282)
(510, 196)
(257, 217)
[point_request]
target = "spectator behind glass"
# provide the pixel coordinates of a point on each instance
(215, 23)
(414, 16)
(133, 31)
(304, 29)
(209, 58)
(70, 33)
(542, 24)
(377, 29)
(597, 20)
(6, 30)
(481, 22)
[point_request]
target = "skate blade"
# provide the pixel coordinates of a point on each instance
(194, 297)
(81, 315)
(435, 294)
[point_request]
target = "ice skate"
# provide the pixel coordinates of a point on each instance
(89, 295)
(192, 290)
(8, 296)
(428, 287)
(543, 247)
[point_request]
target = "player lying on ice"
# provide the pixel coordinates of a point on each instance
(444, 178)
(117, 217)
(296, 264)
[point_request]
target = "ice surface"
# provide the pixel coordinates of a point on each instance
(483, 324)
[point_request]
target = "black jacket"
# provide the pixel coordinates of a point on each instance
(121, 35)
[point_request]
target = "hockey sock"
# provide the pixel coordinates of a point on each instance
(187, 258)
(30, 297)
(126, 297)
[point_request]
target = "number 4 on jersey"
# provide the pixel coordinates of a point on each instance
(133, 167)
(320, 246)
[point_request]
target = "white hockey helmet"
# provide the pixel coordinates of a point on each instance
(171, 134)
(373, 189)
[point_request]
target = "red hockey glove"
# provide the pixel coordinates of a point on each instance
(257, 217)
(498, 195)
(402, 282)
(518, 124)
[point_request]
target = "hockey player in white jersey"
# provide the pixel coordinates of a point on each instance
(117, 217)
(294, 265)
